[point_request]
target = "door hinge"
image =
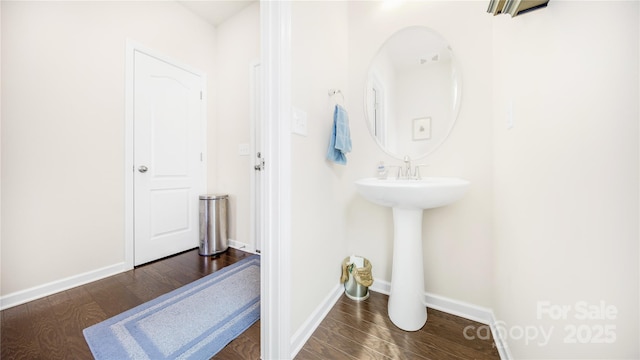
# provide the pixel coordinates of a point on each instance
(260, 165)
(201, 159)
(200, 95)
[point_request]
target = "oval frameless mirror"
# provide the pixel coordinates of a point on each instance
(412, 93)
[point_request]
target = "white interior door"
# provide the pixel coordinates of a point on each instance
(168, 161)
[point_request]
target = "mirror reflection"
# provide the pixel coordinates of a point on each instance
(412, 93)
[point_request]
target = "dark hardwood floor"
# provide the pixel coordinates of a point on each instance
(362, 330)
(51, 327)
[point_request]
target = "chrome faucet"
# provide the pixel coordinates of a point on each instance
(405, 172)
(407, 167)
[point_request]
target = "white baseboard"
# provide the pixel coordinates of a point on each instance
(37, 292)
(241, 246)
(450, 306)
(306, 330)
(501, 345)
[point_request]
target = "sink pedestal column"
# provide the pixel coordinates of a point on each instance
(406, 301)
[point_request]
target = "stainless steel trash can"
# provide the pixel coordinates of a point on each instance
(357, 277)
(214, 237)
(355, 291)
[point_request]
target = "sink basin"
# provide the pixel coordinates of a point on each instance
(409, 198)
(427, 193)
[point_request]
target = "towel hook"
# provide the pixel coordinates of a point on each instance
(332, 92)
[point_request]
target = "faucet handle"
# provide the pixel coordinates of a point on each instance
(416, 173)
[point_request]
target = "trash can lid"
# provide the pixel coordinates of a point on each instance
(213, 196)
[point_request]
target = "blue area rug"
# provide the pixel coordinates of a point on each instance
(193, 322)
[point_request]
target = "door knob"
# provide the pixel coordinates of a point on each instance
(143, 169)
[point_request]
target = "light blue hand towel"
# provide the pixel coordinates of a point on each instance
(340, 142)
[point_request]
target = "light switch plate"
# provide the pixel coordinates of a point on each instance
(243, 150)
(299, 122)
(510, 114)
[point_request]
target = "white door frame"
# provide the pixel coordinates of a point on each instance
(257, 126)
(275, 334)
(129, 170)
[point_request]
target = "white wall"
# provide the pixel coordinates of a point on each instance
(237, 46)
(319, 63)
(566, 175)
(63, 66)
(330, 221)
(458, 246)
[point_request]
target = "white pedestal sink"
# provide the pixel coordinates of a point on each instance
(409, 198)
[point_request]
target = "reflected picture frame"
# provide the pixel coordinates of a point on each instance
(421, 129)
